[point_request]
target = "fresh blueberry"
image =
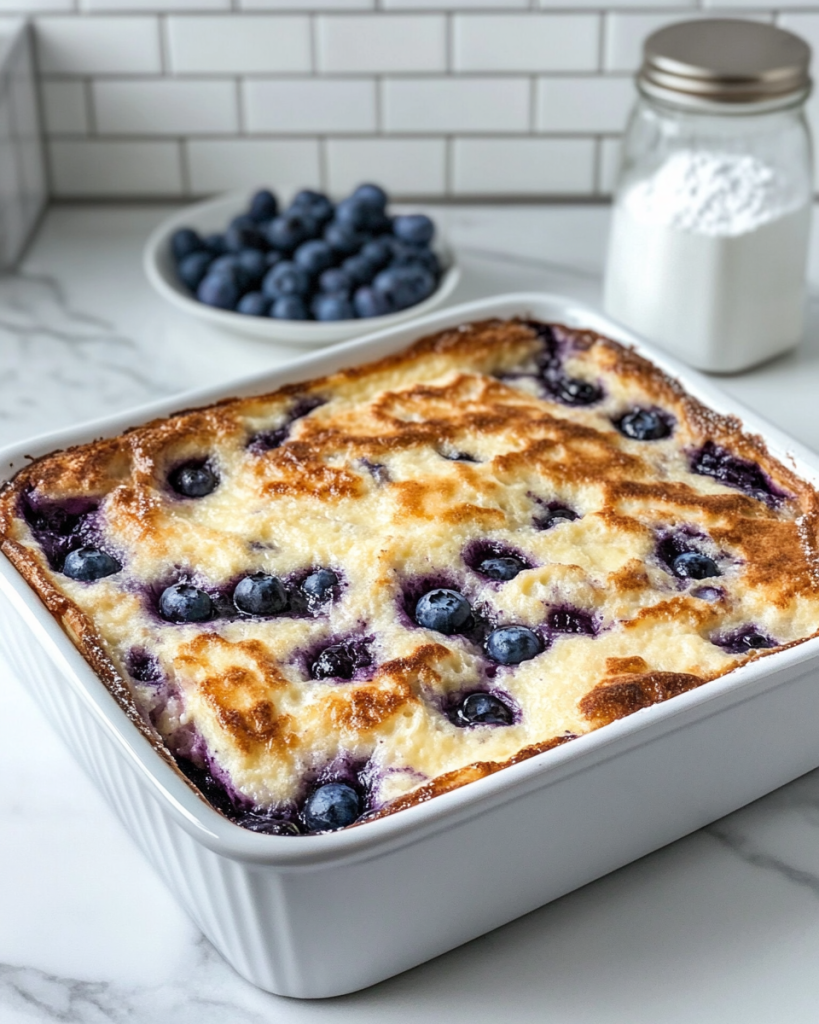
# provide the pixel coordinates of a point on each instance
(287, 231)
(243, 237)
(343, 239)
(272, 257)
(404, 286)
(415, 256)
(368, 302)
(371, 195)
(260, 594)
(229, 266)
(314, 256)
(378, 252)
(415, 228)
(644, 425)
(285, 279)
(332, 307)
(573, 391)
(359, 268)
(335, 281)
(554, 515)
(354, 214)
(193, 268)
(183, 602)
(338, 661)
(483, 709)
(215, 244)
(219, 290)
(254, 263)
(194, 480)
(501, 567)
(318, 587)
(254, 304)
(289, 307)
(445, 611)
(88, 564)
(510, 645)
(331, 806)
(691, 565)
(263, 206)
(184, 242)
(316, 204)
(269, 826)
(244, 220)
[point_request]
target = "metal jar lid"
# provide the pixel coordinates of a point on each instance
(725, 61)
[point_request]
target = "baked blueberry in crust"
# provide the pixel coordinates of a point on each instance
(402, 577)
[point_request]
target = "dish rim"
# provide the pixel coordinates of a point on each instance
(372, 838)
(157, 265)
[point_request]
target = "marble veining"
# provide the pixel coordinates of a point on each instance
(721, 927)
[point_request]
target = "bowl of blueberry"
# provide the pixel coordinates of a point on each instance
(311, 273)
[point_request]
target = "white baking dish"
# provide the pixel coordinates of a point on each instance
(328, 914)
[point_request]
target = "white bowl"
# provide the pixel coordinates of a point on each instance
(214, 215)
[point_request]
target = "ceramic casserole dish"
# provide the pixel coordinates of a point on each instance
(322, 915)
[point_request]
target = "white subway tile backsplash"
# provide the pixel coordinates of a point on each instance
(165, 107)
(91, 167)
(381, 43)
(456, 5)
(625, 33)
(424, 105)
(162, 6)
(252, 44)
(414, 167)
(64, 107)
(578, 105)
(88, 46)
(284, 165)
(34, 6)
(307, 105)
(804, 25)
(526, 42)
(523, 166)
(305, 5)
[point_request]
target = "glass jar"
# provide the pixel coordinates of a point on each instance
(712, 210)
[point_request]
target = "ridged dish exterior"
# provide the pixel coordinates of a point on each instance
(502, 846)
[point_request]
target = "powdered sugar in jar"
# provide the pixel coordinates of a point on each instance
(712, 212)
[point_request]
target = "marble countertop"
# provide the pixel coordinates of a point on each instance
(722, 926)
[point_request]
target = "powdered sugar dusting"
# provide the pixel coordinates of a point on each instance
(712, 194)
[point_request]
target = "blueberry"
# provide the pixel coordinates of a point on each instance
(443, 610)
(368, 302)
(413, 256)
(755, 641)
(333, 307)
(318, 586)
(260, 594)
(371, 195)
(378, 252)
(691, 565)
(269, 826)
(244, 220)
(215, 244)
(314, 256)
(354, 214)
(254, 263)
(359, 268)
(733, 471)
(553, 516)
(316, 204)
(288, 231)
(263, 206)
(510, 645)
(88, 564)
(253, 304)
(644, 425)
(290, 307)
(184, 242)
(404, 286)
(573, 391)
(416, 228)
(483, 709)
(343, 239)
(219, 290)
(338, 661)
(335, 281)
(285, 279)
(243, 237)
(501, 567)
(272, 257)
(183, 602)
(193, 268)
(229, 266)
(194, 480)
(331, 806)
(572, 620)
